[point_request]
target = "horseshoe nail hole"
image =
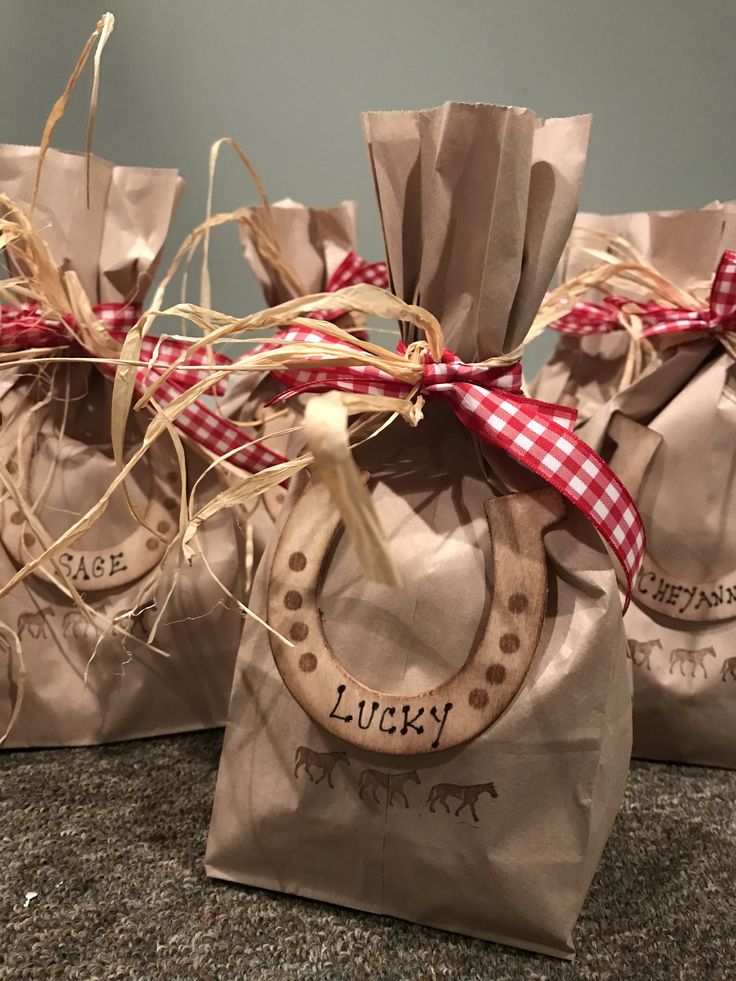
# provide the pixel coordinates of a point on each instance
(280, 496)
(29, 539)
(152, 544)
(297, 561)
(12, 466)
(478, 698)
(307, 662)
(17, 518)
(171, 504)
(163, 527)
(518, 602)
(299, 631)
(293, 600)
(495, 674)
(509, 643)
(172, 477)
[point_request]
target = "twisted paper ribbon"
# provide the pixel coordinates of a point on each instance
(719, 317)
(489, 401)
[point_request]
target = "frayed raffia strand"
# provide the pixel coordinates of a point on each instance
(130, 352)
(100, 35)
(264, 233)
(326, 428)
(614, 250)
(26, 250)
(364, 299)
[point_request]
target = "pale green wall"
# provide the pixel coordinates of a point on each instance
(288, 80)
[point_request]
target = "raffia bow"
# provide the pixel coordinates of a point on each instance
(361, 377)
(718, 317)
(652, 308)
(488, 400)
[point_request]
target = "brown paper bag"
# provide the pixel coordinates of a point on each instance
(313, 242)
(496, 836)
(673, 422)
(586, 371)
(671, 436)
(55, 447)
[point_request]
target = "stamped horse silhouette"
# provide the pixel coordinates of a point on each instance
(642, 649)
(35, 623)
(468, 796)
(392, 783)
(307, 758)
(74, 624)
(696, 659)
(728, 669)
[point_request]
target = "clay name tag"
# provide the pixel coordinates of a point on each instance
(393, 720)
(692, 601)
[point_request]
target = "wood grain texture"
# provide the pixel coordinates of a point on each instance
(454, 711)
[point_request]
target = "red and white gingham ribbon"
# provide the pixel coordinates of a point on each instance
(489, 401)
(352, 270)
(592, 318)
(718, 318)
(23, 327)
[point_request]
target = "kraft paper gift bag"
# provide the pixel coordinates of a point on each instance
(670, 438)
(151, 647)
(587, 369)
(292, 250)
(453, 751)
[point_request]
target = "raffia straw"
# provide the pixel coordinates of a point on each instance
(622, 270)
(100, 35)
(363, 298)
(264, 233)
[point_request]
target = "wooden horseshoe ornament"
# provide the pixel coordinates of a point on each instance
(457, 709)
(117, 564)
(656, 589)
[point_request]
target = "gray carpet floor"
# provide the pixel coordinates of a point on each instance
(111, 842)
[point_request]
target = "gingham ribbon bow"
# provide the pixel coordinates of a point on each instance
(23, 327)
(718, 318)
(489, 401)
